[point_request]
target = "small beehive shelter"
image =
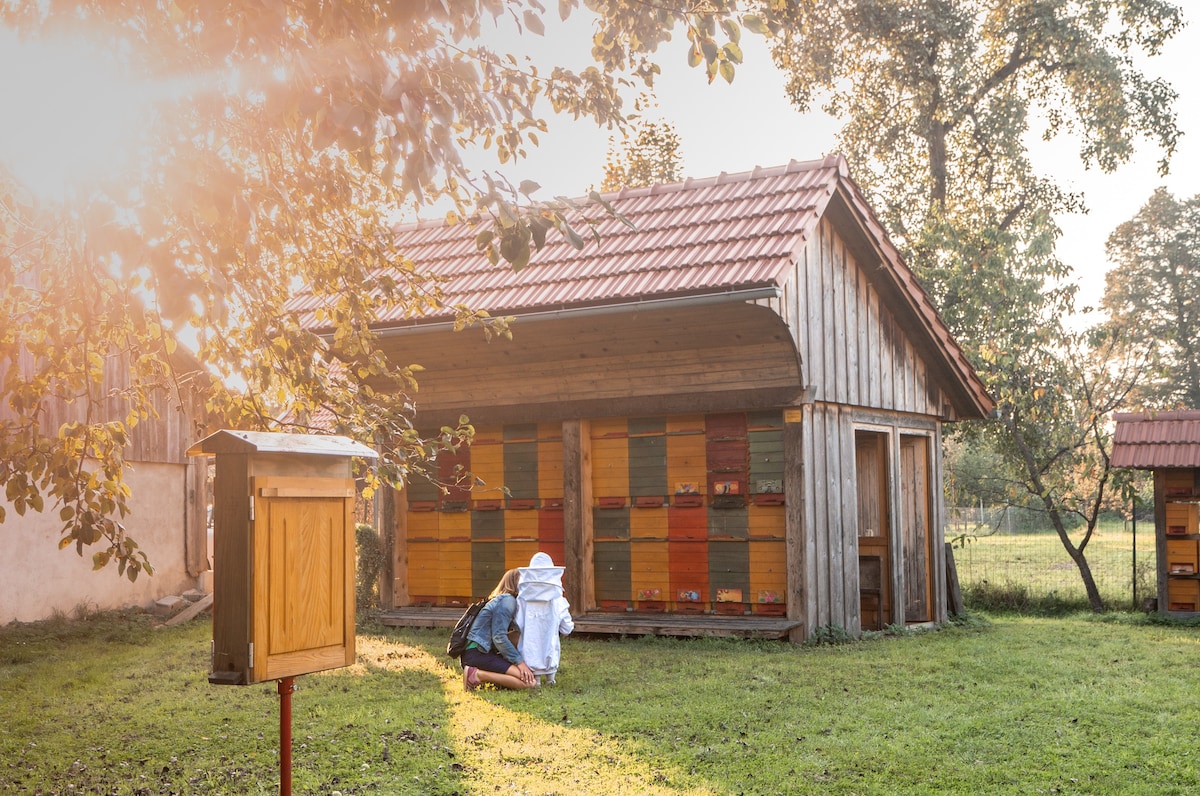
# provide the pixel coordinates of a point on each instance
(726, 419)
(1168, 445)
(283, 554)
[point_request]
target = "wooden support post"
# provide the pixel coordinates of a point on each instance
(577, 515)
(797, 533)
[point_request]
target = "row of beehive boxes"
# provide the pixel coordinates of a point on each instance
(451, 573)
(626, 463)
(689, 575)
(647, 574)
(663, 523)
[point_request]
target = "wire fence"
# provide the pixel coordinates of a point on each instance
(1012, 554)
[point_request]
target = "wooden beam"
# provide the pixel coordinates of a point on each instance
(577, 515)
(398, 530)
(796, 532)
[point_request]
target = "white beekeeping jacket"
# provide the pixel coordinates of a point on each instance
(543, 614)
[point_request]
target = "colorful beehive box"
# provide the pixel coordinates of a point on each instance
(455, 582)
(1183, 518)
(610, 523)
(731, 523)
(520, 524)
(487, 467)
(1181, 483)
(688, 523)
(423, 585)
(612, 574)
(1183, 557)
(487, 566)
(610, 467)
(521, 462)
(454, 526)
(487, 524)
(453, 473)
(688, 565)
(424, 525)
(550, 469)
(650, 577)
(687, 465)
(550, 524)
(767, 522)
(648, 523)
(729, 575)
(517, 554)
(1183, 594)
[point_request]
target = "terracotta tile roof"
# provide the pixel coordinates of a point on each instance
(732, 235)
(732, 232)
(1157, 440)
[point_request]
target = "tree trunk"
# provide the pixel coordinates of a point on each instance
(1095, 601)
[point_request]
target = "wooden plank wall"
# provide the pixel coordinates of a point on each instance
(164, 439)
(852, 349)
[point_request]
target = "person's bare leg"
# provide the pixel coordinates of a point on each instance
(508, 680)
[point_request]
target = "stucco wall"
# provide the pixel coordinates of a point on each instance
(37, 579)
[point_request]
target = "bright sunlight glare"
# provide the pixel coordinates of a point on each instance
(70, 114)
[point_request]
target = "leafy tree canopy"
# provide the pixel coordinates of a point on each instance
(287, 138)
(1153, 296)
(648, 154)
(939, 97)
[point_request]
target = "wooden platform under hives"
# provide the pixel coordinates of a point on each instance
(623, 624)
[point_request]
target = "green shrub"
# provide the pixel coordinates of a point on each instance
(370, 564)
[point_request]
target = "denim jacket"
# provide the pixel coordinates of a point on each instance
(490, 630)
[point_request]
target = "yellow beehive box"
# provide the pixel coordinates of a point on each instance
(1183, 594)
(1183, 557)
(1183, 518)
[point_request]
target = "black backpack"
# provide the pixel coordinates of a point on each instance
(458, 636)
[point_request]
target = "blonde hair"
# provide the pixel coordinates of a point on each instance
(507, 584)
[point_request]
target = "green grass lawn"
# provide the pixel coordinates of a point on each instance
(1078, 705)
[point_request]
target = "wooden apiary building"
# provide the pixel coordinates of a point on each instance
(732, 413)
(1168, 445)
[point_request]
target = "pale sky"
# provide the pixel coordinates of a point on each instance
(72, 115)
(750, 123)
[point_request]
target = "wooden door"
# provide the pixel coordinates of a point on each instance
(304, 575)
(871, 473)
(915, 513)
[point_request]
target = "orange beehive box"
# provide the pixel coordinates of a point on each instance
(1183, 518)
(1183, 557)
(649, 570)
(423, 524)
(1183, 594)
(687, 523)
(1180, 482)
(648, 523)
(520, 524)
(550, 469)
(454, 525)
(423, 569)
(487, 465)
(517, 554)
(767, 522)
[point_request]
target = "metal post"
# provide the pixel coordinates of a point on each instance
(1133, 513)
(286, 687)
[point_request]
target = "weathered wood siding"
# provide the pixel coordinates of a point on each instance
(860, 369)
(163, 439)
(853, 350)
(730, 357)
